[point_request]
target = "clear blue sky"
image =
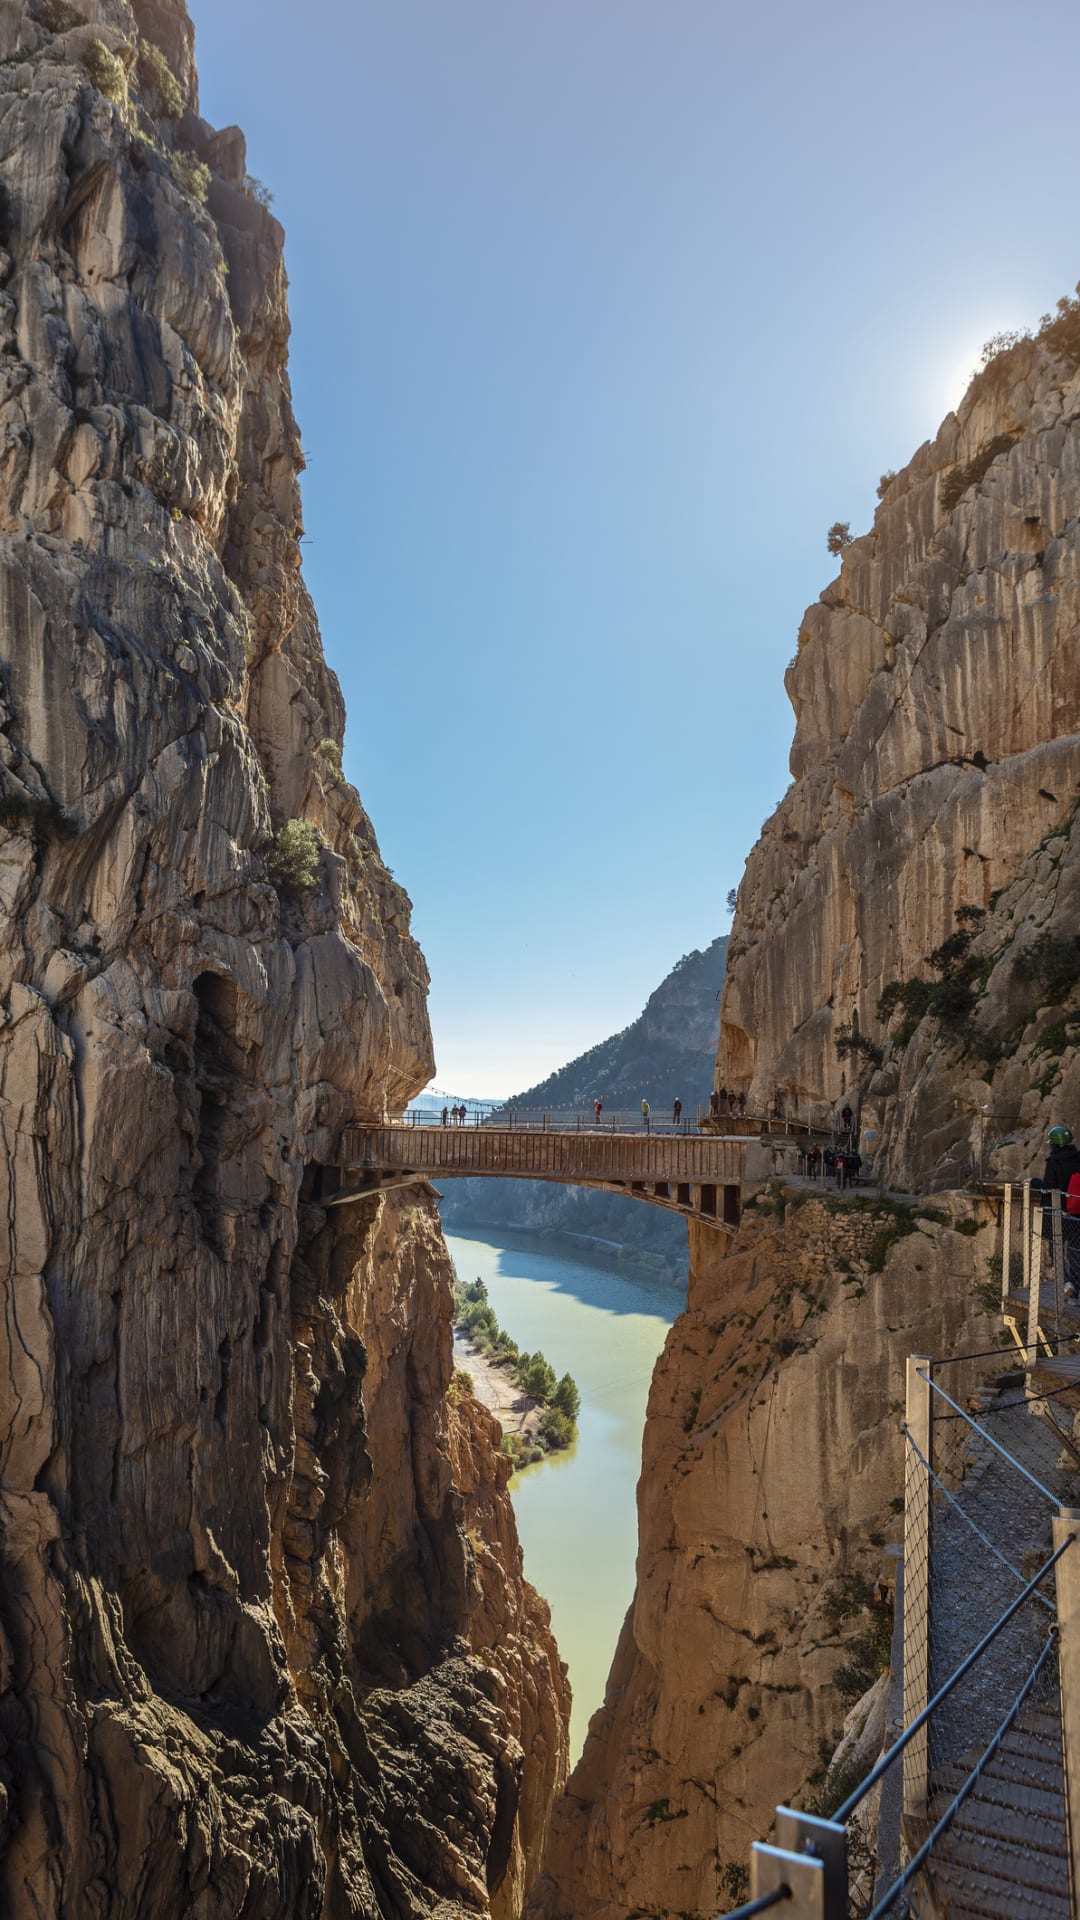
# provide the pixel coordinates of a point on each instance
(603, 311)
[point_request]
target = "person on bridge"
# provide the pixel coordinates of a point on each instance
(598, 1108)
(445, 1115)
(676, 1112)
(742, 1103)
(714, 1102)
(645, 1111)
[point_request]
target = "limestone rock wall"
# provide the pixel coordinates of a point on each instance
(250, 1661)
(771, 1469)
(936, 772)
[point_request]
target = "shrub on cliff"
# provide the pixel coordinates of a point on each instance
(156, 76)
(851, 1044)
(839, 536)
(256, 191)
(105, 71)
(294, 860)
(191, 175)
(956, 482)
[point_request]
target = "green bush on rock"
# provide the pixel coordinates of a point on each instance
(191, 175)
(294, 860)
(105, 71)
(156, 76)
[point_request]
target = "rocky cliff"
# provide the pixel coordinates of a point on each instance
(907, 925)
(771, 1477)
(265, 1647)
(906, 938)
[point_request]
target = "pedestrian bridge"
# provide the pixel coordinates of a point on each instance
(698, 1175)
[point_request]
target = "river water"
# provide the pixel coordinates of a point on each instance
(576, 1512)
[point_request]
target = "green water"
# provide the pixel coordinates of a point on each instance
(576, 1512)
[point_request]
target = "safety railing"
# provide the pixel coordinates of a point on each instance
(974, 1797)
(1040, 1264)
(549, 1120)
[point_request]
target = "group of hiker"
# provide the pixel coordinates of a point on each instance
(722, 1101)
(455, 1114)
(844, 1164)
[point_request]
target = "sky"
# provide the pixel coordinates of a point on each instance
(603, 311)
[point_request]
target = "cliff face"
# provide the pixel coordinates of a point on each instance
(906, 938)
(251, 1659)
(936, 768)
(771, 1469)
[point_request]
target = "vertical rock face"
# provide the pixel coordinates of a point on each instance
(251, 1661)
(927, 844)
(916, 899)
(770, 1468)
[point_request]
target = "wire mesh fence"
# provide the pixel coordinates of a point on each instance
(980, 1658)
(966, 1813)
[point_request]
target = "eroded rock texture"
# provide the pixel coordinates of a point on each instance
(771, 1463)
(936, 768)
(251, 1662)
(927, 845)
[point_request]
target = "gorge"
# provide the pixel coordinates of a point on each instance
(267, 1648)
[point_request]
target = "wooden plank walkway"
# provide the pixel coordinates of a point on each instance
(699, 1175)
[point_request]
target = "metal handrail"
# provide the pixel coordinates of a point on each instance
(918, 1859)
(844, 1813)
(996, 1444)
(966, 1517)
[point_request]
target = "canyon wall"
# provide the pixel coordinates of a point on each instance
(928, 842)
(771, 1478)
(265, 1645)
(907, 938)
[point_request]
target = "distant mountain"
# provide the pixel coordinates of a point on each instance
(668, 1050)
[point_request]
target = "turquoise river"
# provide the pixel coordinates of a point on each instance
(576, 1512)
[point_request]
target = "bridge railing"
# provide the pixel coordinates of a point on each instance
(550, 1120)
(990, 1632)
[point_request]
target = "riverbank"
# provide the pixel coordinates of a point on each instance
(513, 1409)
(576, 1509)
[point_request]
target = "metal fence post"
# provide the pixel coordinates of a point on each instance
(824, 1840)
(1058, 1246)
(1032, 1270)
(1067, 1579)
(1006, 1249)
(772, 1868)
(918, 1421)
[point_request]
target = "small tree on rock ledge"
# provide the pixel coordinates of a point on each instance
(839, 536)
(294, 858)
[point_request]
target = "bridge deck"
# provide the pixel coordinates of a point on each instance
(694, 1174)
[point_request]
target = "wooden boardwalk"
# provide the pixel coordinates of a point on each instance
(698, 1175)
